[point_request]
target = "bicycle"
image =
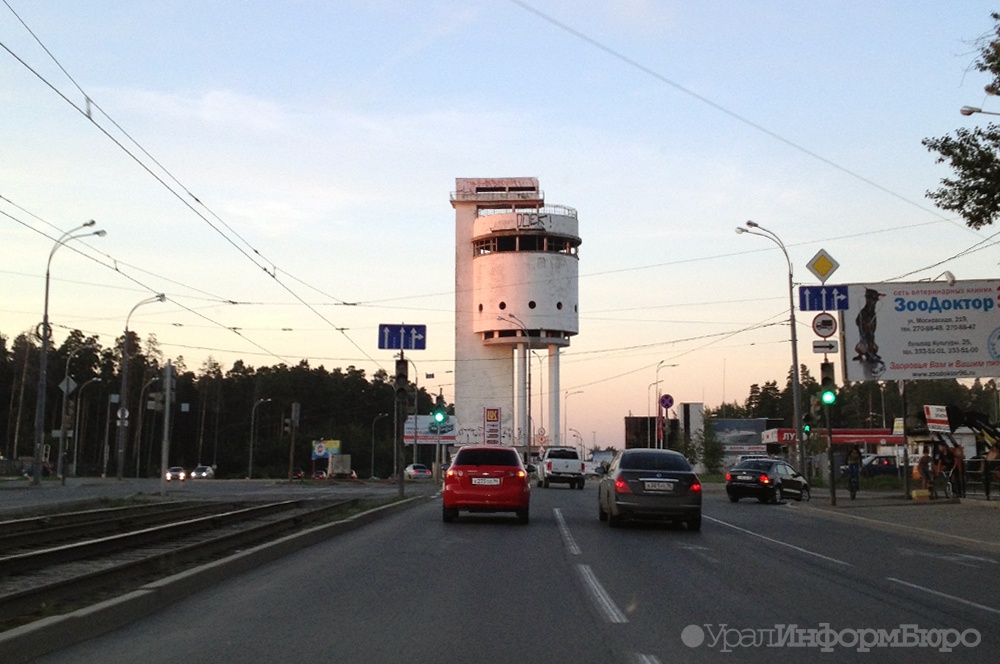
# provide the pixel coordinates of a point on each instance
(853, 481)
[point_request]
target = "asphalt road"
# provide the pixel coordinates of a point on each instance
(758, 583)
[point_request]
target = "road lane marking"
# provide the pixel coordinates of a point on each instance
(981, 607)
(566, 535)
(780, 543)
(605, 605)
(641, 658)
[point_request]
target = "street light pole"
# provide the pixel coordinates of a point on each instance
(757, 229)
(77, 438)
(253, 420)
(566, 414)
(377, 418)
(659, 426)
(36, 464)
(60, 465)
(123, 402)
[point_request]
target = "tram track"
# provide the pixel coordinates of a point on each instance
(39, 579)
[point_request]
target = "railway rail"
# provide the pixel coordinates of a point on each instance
(56, 563)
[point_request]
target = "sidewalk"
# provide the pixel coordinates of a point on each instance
(970, 521)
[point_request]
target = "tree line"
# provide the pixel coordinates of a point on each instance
(213, 408)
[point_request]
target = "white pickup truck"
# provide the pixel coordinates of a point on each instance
(561, 464)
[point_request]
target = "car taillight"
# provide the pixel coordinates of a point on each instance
(521, 474)
(695, 488)
(729, 477)
(548, 465)
(583, 468)
(621, 486)
(764, 479)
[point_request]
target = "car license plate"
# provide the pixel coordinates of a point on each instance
(744, 477)
(658, 486)
(488, 481)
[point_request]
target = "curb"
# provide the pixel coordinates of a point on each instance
(31, 641)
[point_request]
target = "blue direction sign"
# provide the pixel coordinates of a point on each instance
(823, 298)
(402, 337)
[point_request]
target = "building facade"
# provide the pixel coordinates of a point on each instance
(516, 307)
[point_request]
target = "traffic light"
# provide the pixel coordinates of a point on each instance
(440, 412)
(402, 379)
(828, 386)
(807, 420)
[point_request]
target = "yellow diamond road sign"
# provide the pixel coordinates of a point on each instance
(822, 265)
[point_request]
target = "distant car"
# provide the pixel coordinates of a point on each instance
(767, 480)
(203, 473)
(877, 465)
(175, 473)
(650, 484)
(319, 475)
(297, 474)
(486, 478)
(417, 471)
(351, 475)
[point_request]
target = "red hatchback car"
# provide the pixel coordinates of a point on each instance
(486, 478)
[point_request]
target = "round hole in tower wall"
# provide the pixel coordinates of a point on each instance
(531, 305)
(503, 305)
(559, 306)
(480, 308)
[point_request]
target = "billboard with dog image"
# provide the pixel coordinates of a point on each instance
(921, 330)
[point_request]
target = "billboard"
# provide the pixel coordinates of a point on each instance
(921, 331)
(424, 430)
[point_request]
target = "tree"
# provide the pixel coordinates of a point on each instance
(974, 155)
(709, 448)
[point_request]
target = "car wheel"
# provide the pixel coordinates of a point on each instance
(522, 516)
(776, 498)
(694, 524)
(579, 485)
(545, 483)
(804, 496)
(448, 514)
(734, 498)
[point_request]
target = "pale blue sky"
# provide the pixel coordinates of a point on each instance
(328, 136)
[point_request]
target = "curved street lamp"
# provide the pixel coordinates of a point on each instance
(971, 110)
(566, 415)
(753, 228)
(60, 464)
(43, 364)
(123, 402)
(377, 418)
(77, 438)
(253, 419)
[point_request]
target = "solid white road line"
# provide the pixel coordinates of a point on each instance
(981, 607)
(605, 605)
(566, 535)
(780, 543)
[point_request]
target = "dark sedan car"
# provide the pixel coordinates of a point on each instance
(877, 466)
(767, 480)
(650, 484)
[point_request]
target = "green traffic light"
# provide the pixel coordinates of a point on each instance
(828, 397)
(439, 416)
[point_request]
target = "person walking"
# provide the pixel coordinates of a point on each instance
(926, 476)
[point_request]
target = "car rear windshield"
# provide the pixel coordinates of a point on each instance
(755, 465)
(469, 457)
(563, 454)
(654, 461)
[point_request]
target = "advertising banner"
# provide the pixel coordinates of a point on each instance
(425, 430)
(921, 331)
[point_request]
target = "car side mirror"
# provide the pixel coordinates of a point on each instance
(531, 468)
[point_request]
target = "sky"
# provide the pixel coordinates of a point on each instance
(282, 173)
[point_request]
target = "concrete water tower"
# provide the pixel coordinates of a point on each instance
(516, 290)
